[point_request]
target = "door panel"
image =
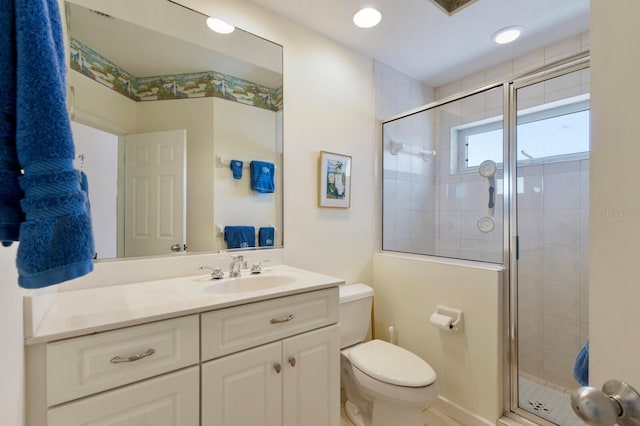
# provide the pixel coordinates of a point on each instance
(312, 378)
(155, 195)
(243, 389)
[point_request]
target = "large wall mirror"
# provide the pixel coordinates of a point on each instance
(161, 105)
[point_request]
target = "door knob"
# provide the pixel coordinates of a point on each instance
(178, 247)
(617, 402)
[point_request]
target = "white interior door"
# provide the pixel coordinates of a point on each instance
(155, 196)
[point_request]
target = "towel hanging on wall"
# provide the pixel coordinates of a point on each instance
(43, 206)
(240, 236)
(262, 176)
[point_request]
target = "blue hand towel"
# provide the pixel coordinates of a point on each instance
(266, 236)
(240, 236)
(236, 168)
(581, 366)
(56, 240)
(262, 176)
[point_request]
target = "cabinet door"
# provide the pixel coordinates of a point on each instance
(244, 388)
(169, 400)
(311, 379)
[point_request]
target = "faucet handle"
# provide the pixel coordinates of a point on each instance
(256, 268)
(216, 273)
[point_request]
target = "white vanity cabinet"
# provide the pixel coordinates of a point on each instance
(292, 381)
(270, 362)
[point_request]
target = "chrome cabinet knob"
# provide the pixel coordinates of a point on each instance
(292, 361)
(277, 367)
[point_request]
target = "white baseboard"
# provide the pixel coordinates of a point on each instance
(460, 414)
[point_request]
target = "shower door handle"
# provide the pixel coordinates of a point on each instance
(617, 403)
(492, 191)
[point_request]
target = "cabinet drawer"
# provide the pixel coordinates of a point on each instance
(234, 329)
(89, 364)
(170, 400)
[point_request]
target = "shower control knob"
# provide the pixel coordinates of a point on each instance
(617, 402)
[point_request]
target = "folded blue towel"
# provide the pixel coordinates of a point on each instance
(262, 176)
(236, 168)
(266, 236)
(581, 366)
(56, 240)
(240, 236)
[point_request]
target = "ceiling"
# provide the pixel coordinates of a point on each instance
(417, 38)
(175, 41)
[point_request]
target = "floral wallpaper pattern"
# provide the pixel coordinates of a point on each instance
(175, 86)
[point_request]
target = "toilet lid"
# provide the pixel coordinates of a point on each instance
(392, 364)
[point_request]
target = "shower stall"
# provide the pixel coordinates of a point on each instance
(500, 174)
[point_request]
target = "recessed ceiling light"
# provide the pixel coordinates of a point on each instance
(219, 26)
(507, 35)
(367, 17)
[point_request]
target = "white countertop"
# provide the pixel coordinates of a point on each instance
(87, 311)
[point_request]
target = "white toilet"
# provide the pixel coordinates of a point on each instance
(385, 384)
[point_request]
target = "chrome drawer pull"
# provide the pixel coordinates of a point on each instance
(281, 320)
(117, 359)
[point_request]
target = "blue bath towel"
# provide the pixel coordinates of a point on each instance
(56, 240)
(266, 236)
(240, 236)
(236, 168)
(262, 176)
(581, 366)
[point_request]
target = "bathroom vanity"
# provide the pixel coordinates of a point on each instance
(253, 350)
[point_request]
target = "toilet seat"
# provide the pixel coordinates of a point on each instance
(391, 364)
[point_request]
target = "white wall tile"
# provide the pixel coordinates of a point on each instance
(499, 72)
(473, 81)
(564, 48)
(562, 300)
(562, 264)
(531, 293)
(449, 225)
(531, 226)
(529, 61)
(563, 226)
(562, 191)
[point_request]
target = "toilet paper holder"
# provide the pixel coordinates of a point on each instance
(455, 315)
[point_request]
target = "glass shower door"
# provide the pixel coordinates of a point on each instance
(552, 197)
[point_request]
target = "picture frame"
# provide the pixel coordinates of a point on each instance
(335, 180)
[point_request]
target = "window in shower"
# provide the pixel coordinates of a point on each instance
(553, 132)
(432, 207)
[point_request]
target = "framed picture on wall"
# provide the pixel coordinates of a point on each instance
(335, 180)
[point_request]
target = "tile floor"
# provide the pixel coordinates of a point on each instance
(432, 417)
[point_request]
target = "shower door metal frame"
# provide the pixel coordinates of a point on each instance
(571, 64)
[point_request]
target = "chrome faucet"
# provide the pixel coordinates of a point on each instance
(237, 263)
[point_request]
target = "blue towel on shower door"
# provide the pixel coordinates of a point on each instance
(56, 239)
(581, 366)
(240, 236)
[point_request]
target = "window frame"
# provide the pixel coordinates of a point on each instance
(460, 134)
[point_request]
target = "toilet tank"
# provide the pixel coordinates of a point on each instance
(355, 313)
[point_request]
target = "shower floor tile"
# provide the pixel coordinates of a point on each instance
(548, 402)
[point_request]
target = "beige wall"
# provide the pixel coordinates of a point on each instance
(615, 203)
(468, 363)
(235, 139)
(328, 105)
(11, 335)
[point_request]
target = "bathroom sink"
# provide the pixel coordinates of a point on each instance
(249, 283)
